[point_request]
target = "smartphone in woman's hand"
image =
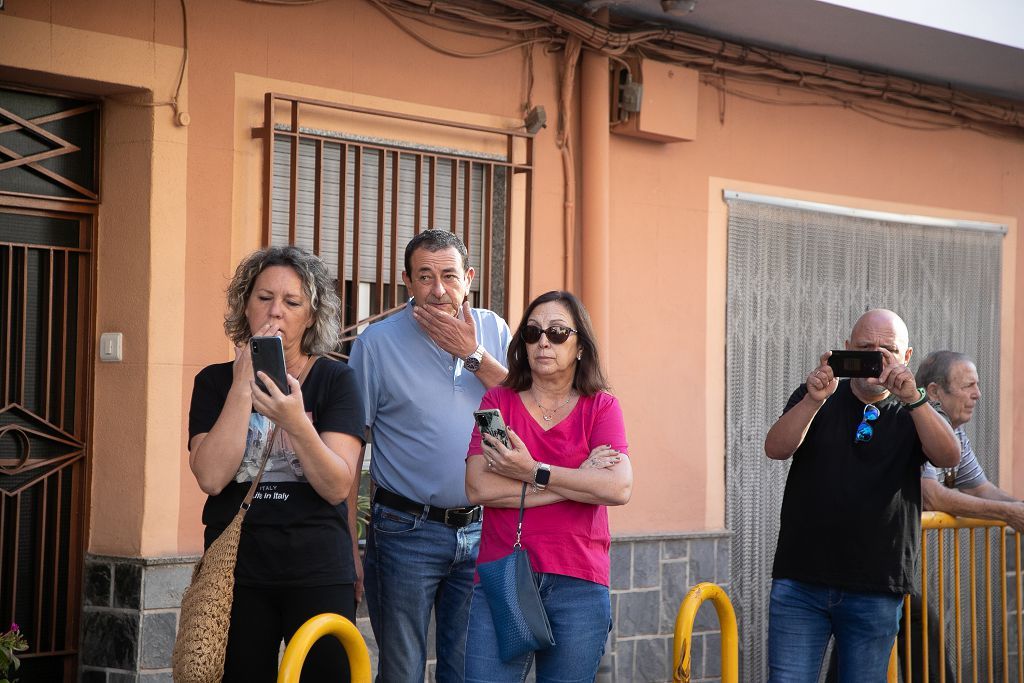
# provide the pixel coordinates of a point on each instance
(268, 356)
(490, 422)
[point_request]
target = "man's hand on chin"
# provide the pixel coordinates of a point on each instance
(454, 334)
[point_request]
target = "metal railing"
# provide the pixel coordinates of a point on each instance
(314, 629)
(966, 645)
(967, 638)
(684, 632)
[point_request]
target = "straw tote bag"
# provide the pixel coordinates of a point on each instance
(202, 638)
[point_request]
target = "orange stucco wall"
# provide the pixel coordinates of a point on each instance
(180, 205)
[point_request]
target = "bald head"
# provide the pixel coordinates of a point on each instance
(879, 329)
(883, 321)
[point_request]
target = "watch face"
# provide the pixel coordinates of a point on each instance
(472, 364)
(543, 476)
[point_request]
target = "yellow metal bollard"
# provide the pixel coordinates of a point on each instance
(314, 629)
(684, 630)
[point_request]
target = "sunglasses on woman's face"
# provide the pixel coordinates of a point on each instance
(864, 430)
(556, 334)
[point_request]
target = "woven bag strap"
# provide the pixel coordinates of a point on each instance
(247, 501)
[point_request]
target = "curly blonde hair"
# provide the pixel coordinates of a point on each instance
(322, 336)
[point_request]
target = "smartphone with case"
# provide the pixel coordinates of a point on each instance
(268, 356)
(856, 363)
(490, 422)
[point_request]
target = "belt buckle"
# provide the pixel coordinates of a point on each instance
(463, 516)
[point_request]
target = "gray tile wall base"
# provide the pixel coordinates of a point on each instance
(130, 612)
(129, 617)
(651, 575)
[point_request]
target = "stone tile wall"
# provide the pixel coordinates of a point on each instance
(650, 577)
(130, 616)
(130, 611)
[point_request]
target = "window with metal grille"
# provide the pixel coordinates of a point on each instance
(357, 200)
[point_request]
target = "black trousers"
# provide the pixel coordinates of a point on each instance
(262, 617)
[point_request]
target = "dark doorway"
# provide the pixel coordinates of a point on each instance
(48, 201)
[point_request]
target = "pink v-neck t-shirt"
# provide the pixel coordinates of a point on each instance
(567, 537)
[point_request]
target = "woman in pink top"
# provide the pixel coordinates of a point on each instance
(569, 445)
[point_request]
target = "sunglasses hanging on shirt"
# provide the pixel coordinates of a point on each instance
(864, 430)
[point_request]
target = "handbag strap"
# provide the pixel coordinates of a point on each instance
(247, 501)
(519, 528)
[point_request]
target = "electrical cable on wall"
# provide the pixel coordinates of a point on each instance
(727, 67)
(864, 92)
(181, 117)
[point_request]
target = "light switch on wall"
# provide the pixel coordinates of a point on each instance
(110, 347)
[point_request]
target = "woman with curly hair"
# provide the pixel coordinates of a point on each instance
(295, 558)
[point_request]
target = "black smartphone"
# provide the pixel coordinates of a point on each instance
(490, 422)
(268, 356)
(856, 363)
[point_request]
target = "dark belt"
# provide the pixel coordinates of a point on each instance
(456, 517)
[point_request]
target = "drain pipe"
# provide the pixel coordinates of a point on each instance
(595, 110)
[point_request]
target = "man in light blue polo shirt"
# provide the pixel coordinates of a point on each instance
(423, 373)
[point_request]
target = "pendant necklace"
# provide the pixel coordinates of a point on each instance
(303, 368)
(549, 415)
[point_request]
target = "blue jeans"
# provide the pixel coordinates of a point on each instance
(580, 614)
(413, 566)
(801, 618)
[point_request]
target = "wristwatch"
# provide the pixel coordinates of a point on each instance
(472, 361)
(541, 476)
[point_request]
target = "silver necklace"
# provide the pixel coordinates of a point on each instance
(302, 369)
(549, 415)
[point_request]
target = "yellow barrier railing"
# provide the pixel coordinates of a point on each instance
(730, 636)
(941, 522)
(684, 632)
(314, 629)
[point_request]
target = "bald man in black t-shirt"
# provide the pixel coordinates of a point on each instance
(850, 524)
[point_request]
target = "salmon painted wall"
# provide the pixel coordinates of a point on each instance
(350, 53)
(139, 260)
(667, 285)
(666, 280)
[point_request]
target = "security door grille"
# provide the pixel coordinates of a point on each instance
(48, 188)
(797, 281)
(48, 146)
(357, 200)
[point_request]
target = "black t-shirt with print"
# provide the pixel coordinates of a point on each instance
(851, 515)
(291, 536)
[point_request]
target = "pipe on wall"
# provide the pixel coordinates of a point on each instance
(595, 110)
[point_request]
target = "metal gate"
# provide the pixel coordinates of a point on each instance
(48, 198)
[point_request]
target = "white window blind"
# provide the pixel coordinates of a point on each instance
(379, 193)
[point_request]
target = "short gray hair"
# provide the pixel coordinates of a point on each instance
(323, 335)
(936, 368)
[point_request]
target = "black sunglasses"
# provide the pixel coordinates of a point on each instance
(556, 334)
